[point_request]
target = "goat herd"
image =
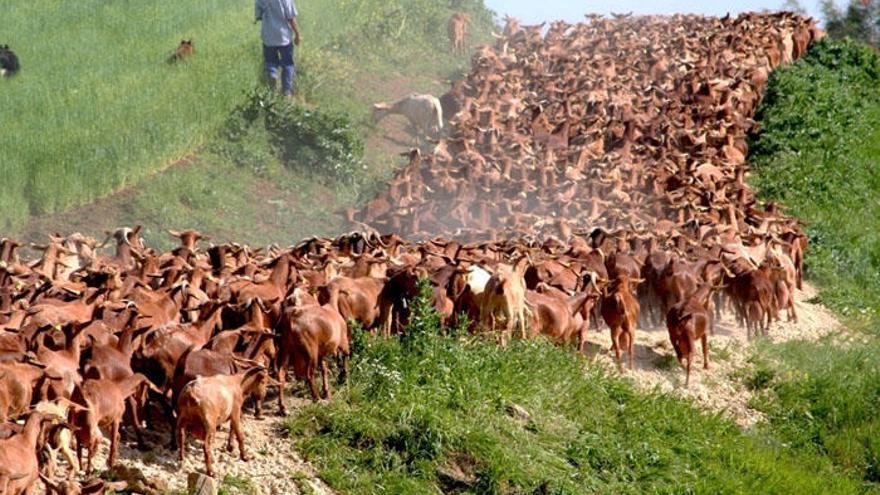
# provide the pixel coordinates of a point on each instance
(594, 173)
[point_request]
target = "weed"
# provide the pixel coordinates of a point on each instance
(237, 483)
(666, 362)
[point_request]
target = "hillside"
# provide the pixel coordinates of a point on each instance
(84, 139)
(581, 157)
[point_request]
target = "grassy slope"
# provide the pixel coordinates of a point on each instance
(818, 154)
(413, 411)
(96, 107)
(110, 117)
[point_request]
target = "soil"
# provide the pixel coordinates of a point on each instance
(274, 468)
(716, 389)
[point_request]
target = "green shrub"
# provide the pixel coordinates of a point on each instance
(306, 139)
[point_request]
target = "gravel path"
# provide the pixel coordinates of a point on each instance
(715, 389)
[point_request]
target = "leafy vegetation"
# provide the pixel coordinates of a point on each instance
(310, 140)
(857, 19)
(816, 153)
(462, 415)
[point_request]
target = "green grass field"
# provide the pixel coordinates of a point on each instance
(110, 113)
(105, 110)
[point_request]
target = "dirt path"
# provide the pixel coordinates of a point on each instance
(715, 389)
(274, 468)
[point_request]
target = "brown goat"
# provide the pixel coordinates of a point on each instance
(620, 310)
(18, 456)
(102, 404)
(308, 336)
(505, 294)
(688, 322)
(209, 402)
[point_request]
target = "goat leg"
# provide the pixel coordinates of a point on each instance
(239, 435)
(705, 342)
(181, 443)
(615, 346)
(229, 446)
(325, 376)
(132, 406)
(114, 444)
(310, 377)
(206, 447)
(64, 447)
(282, 378)
(52, 462)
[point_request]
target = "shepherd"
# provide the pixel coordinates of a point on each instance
(279, 26)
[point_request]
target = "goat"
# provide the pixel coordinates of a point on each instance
(620, 310)
(308, 335)
(688, 322)
(208, 402)
(505, 295)
(423, 112)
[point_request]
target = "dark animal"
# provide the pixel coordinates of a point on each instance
(184, 50)
(9, 65)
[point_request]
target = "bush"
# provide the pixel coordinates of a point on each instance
(308, 139)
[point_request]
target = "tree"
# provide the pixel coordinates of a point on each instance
(794, 6)
(859, 20)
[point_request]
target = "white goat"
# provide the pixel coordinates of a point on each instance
(423, 111)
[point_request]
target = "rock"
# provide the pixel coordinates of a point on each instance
(457, 474)
(518, 412)
(137, 482)
(199, 484)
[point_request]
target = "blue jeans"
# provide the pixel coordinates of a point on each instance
(280, 57)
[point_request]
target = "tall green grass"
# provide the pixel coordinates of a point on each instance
(433, 414)
(96, 108)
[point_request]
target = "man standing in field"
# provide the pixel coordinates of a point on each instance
(279, 25)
